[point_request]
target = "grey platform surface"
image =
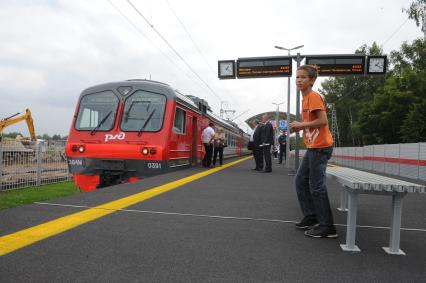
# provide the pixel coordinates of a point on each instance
(236, 225)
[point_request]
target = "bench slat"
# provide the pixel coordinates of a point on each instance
(357, 179)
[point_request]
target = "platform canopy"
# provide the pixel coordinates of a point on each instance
(271, 115)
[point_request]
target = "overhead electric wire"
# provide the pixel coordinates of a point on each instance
(173, 49)
(152, 42)
(189, 35)
(397, 29)
(193, 42)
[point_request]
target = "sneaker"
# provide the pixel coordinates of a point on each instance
(322, 232)
(307, 222)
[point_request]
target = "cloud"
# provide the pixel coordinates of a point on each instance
(52, 50)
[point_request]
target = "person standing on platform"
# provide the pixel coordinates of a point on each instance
(311, 178)
(218, 146)
(251, 146)
(282, 142)
(207, 138)
(267, 142)
(258, 151)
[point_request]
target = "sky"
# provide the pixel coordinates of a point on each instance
(50, 51)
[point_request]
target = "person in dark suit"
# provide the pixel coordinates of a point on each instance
(257, 150)
(282, 140)
(267, 142)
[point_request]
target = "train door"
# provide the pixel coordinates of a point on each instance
(194, 160)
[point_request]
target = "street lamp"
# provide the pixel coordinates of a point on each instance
(287, 149)
(277, 117)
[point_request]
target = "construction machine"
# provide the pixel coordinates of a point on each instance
(14, 119)
(20, 147)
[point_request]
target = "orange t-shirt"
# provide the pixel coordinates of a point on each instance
(315, 137)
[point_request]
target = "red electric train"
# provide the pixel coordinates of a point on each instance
(124, 131)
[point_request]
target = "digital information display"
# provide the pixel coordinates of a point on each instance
(264, 67)
(331, 65)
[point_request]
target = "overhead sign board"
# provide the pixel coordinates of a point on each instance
(335, 65)
(281, 66)
(264, 67)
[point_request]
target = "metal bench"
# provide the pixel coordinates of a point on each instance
(357, 182)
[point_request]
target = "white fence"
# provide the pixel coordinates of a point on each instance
(406, 160)
(31, 164)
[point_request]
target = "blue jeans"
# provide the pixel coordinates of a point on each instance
(311, 187)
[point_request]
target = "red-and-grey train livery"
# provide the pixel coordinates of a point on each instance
(124, 131)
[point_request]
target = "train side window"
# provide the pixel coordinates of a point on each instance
(179, 124)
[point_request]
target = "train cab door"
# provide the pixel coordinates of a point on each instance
(194, 160)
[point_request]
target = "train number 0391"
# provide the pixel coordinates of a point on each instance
(154, 165)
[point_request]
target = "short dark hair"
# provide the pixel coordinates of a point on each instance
(311, 70)
(211, 124)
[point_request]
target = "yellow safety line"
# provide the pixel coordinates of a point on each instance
(20, 239)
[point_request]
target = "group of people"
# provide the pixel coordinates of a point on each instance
(214, 142)
(261, 143)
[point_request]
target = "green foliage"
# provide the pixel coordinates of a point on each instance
(378, 110)
(417, 12)
(348, 95)
(29, 195)
(414, 126)
(12, 135)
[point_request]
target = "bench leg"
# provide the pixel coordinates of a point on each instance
(351, 223)
(395, 231)
(343, 200)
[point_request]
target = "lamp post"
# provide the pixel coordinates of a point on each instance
(277, 117)
(287, 162)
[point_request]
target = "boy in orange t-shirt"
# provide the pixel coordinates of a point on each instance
(310, 178)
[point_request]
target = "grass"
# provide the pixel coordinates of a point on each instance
(29, 195)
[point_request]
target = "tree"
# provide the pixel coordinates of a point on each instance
(414, 126)
(417, 12)
(348, 94)
(410, 75)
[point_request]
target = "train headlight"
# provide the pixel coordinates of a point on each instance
(153, 151)
(145, 151)
(81, 148)
(74, 148)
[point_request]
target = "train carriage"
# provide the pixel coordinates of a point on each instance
(124, 131)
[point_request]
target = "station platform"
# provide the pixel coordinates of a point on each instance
(225, 224)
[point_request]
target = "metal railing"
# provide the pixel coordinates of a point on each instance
(24, 164)
(407, 160)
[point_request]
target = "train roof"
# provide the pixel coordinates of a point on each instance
(122, 88)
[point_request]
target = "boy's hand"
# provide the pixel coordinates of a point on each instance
(295, 126)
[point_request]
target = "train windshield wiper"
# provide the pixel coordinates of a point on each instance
(100, 123)
(127, 114)
(146, 122)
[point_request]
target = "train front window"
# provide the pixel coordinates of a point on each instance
(143, 112)
(97, 112)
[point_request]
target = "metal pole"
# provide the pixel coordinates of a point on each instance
(277, 117)
(296, 148)
(1, 162)
(287, 148)
(38, 155)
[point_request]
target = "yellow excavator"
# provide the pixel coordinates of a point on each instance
(18, 149)
(16, 119)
